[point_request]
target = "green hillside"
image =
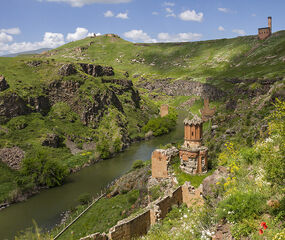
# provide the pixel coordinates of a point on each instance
(90, 99)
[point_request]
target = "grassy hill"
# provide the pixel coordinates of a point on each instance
(94, 117)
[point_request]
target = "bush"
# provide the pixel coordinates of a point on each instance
(17, 123)
(249, 155)
(138, 164)
(103, 148)
(155, 192)
(43, 171)
(161, 125)
(84, 198)
(240, 205)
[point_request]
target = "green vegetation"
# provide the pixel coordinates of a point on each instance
(161, 125)
(183, 177)
(251, 198)
(100, 217)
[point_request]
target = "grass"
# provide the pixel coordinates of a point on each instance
(183, 177)
(100, 217)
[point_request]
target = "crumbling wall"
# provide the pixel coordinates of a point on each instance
(139, 225)
(96, 236)
(192, 196)
(160, 161)
(127, 230)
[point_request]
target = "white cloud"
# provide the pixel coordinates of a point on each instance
(122, 15)
(239, 32)
(139, 35)
(12, 31)
(154, 13)
(225, 10)
(180, 37)
(4, 37)
(221, 28)
(81, 3)
(170, 4)
(189, 15)
(171, 15)
(80, 33)
(170, 12)
(109, 14)
(253, 15)
(50, 40)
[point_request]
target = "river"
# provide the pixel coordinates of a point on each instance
(47, 206)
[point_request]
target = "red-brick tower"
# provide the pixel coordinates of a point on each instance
(193, 155)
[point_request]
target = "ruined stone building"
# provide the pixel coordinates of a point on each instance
(266, 32)
(193, 155)
(160, 162)
(207, 112)
(164, 110)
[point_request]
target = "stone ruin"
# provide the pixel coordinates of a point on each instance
(131, 228)
(265, 32)
(207, 112)
(160, 161)
(164, 110)
(193, 155)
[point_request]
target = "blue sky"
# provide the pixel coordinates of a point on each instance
(33, 24)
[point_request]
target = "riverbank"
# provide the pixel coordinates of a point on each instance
(47, 206)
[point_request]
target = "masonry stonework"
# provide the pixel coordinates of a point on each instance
(164, 110)
(193, 156)
(160, 162)
(266, 32)
(138, 226)
(207, 112)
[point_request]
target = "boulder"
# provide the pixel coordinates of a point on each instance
(12, 157)
(52, 140)
(67, 70)
(3, 84)
(213, 182)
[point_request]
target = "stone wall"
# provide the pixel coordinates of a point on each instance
(138, 226)
(127, 230)
(160, 160)
(96, 236)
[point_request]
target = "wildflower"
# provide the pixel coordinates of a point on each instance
(263, 224)
(260, 231)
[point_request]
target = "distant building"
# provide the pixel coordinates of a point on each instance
(193, 156)
(266, 32)
(207, 112)
(164, 110)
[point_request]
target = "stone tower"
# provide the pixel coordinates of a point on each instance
(193, 156)
(270, 23)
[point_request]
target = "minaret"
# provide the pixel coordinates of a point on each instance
(270, 23)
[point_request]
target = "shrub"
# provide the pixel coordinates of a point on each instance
(249, 155)
(84, 198)
(103, 148)
(244, 228)
(240, 205)
(161, 125)
(138, 164)
(155, 192)
(62, 110)
(17, 123)
(43, 171)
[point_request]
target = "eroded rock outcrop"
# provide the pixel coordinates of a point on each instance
(97, 70)
(3, 84)
(67, 70)
(52, 140)
(183, 88)
(11, 105)
(12, 157)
